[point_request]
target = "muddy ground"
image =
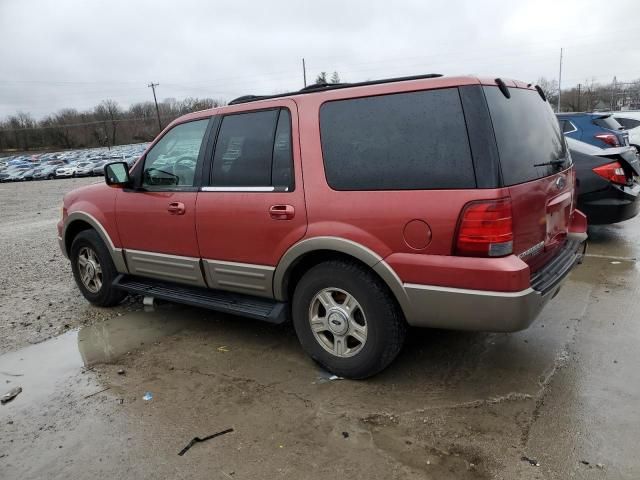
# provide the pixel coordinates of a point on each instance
(559, 400)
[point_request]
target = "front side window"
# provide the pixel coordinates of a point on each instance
(254, 150)
(172, 161)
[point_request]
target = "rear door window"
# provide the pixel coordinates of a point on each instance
(404, 141)
(528, 134)
(254, 150)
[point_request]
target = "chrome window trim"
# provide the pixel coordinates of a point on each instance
(575, 129)
(239, 189)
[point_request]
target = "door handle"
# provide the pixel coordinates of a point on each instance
(282, 212)
(176, 208)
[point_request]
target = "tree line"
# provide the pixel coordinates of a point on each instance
(105, 125)
(109, 124)
(590, 96)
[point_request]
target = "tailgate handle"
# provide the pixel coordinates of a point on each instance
(282, 212)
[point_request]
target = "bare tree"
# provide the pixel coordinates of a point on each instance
(550, 89)
(108, 111)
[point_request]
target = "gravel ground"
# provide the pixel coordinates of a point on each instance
(39, 299)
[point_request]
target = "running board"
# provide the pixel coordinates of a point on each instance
(258, 308)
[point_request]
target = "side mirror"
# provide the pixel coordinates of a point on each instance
(116, 174)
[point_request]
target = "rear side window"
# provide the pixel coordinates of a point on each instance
(567, 126)
(607, 122)
(405, 141)
(628, 122)
(254, 150)
(527, 133)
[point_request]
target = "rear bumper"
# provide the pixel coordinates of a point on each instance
(480, 310)
(611, 205)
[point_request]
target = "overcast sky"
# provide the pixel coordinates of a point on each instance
(75, 53)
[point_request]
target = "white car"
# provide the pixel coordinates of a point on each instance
(84, 169)
(630, 121)
(66, 171)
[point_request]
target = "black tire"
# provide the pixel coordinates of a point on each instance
(385, 324)
(106, 295)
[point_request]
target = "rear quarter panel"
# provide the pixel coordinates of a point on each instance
(376, 219)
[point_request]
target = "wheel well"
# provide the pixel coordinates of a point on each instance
(311, 259)
(73, 229)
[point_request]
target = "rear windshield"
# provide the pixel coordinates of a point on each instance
(403, 141)
(528, 134)
(607, 122)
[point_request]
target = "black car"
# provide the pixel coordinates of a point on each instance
(608, 182)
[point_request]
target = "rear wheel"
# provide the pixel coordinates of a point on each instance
(347, 320)
(93, 269)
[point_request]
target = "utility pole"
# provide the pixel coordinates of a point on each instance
(579, 92)
(153, 87)
(304, 72)
(613, 94)
(559, 83)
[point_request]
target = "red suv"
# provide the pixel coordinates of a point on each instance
(356, 210)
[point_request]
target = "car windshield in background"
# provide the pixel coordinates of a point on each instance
(607, 121)
(528, 134)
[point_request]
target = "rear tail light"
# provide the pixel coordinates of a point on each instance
(609, 139)
(485, 229)
(612, 172)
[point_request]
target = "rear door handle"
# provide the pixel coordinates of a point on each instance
(282, 212)
(176, 208)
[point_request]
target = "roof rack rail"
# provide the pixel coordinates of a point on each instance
(321, 87)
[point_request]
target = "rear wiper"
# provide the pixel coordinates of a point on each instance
(554, 163)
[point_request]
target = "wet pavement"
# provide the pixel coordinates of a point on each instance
(455, 405)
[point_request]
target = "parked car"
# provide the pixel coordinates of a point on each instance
(608, 182)
(45, 172)
(421, 204)
(630, 121)
(28, 174)
(66, 171)
(84, 169)
(98, 168)
(599, 129)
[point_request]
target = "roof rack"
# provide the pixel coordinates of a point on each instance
(321, 87)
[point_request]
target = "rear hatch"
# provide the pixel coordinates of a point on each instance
(536, 167)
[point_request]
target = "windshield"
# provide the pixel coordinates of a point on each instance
(530, 143)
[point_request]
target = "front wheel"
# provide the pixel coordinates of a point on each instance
(93, 269)
(347, 319)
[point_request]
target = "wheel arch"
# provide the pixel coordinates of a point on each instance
(310, 252)
(80, 221)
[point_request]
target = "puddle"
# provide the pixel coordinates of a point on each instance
(45, 369)
(619, 241)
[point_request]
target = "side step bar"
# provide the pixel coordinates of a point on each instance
(258, 308)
